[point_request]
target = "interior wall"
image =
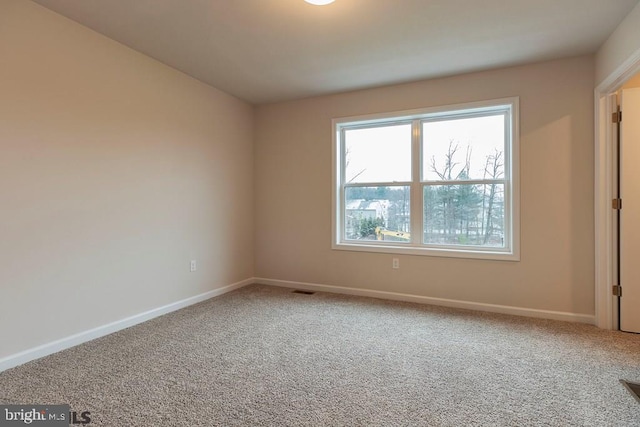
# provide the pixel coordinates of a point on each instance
(115, 172)
(621, 45)
(633, 82)
(556, 271)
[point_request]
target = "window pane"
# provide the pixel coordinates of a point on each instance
(463, 148)
(469, 215)
(379, 154)
(377, 213)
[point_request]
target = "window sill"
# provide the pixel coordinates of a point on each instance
(424, 251)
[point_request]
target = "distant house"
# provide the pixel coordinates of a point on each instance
(359, 209)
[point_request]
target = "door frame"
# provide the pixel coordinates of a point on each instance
(606, 309)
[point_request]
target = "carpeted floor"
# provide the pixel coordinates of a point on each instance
(264, 356)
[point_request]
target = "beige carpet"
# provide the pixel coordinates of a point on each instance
(263, 356)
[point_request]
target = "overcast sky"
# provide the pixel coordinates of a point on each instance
(383, 154)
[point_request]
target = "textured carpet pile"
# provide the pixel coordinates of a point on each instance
(264, 356)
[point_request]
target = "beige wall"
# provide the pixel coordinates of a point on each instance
(115, 171)
(556, 271)
(621, 44)
(633, 82)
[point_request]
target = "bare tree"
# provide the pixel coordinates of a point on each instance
(347, 160)
(445, 175)
(492, 170)
(449, 164)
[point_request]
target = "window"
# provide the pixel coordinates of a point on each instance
(441, 181)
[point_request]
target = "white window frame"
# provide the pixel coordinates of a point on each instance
(511, 251)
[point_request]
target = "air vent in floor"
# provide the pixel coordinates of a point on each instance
(634, 388)
(298, 291)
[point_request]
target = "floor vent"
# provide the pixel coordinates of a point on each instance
(298, 291)
(634, 389)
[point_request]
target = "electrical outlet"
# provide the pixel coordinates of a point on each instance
(396, 263)
(194, 267)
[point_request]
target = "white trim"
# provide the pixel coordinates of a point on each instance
(461, 252)
(620, 75)
(468, 305)
(605, 304)
(336, 188)
(82, 337)
(606, 311)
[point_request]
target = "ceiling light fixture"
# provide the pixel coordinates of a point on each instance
(319, 2)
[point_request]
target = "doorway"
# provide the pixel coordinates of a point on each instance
(618, 177)
(628, 206)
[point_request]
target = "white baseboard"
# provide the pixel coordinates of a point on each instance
(79, 338)
(493, 308)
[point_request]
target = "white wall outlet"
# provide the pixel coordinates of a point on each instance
(396, 263)
(194, 266)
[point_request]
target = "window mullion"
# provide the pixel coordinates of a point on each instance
(466, 182)
(378, 184)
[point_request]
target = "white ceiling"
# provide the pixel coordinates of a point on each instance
(273, 50)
